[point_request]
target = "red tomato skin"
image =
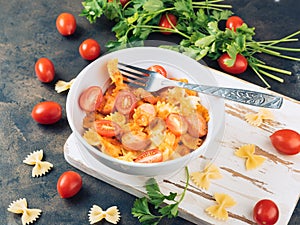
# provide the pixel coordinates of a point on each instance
(234, 22)
(265, 212)
(238, 67)
(286, 141)
(124, 2)
(91, 98)
(66, 24)
(159, 69)
(69, 184)
(89, 49)
(107, 128)
(44, 70)
(164, 23)
(150, 156)
(47, 112)
(177, 124)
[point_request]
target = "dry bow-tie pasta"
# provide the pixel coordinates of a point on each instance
(20, 207)
(252, 161)
(61, 85)
(256, 119)
(219, 211)
(40, 167)
(202, 179)
(111, 215)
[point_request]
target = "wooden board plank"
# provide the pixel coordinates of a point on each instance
(279, 172)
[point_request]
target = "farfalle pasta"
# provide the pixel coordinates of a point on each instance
(97, 214)
(256, 119)
(202, 178)
(40, 167)
(130, 121)
(219, 211)
(20, 207)
(62, 86)
(248, 152)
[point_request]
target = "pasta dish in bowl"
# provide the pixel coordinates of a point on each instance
(137, 132)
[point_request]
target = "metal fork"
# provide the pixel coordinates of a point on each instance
(138, 78)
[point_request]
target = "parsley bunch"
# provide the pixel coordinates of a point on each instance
(141, 209)
(197, 23)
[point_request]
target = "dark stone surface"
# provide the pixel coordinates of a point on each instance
(27, 32)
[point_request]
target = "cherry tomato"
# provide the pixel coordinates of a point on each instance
(91, 98)
(69, 184)
(89, 49)
(164, 23)
(286, 141)
(265, 212)
(136, 141)
(158, 69)
(124, 2)
(66, 24)
(234, 22)
(177, 124)
(238, 67)
(47, 112)
(150, 156)
(125, 102)
(107, 128)
(44, 70)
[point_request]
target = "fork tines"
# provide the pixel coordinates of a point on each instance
(133, 76)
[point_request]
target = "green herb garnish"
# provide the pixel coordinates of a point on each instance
(197, 24)
(141, 208)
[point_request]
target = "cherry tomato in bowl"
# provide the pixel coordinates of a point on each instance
(44, 70)
(234, 22)
(69, 184)
(89, 49)
(286, 141)
(150, 156)
(240, 65)
(47, 112)
(66, 24)
(265, 212)
(167, 21)
(159, 69)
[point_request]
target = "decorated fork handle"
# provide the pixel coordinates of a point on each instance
(238, 95)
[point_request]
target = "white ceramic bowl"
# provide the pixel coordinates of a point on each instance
(178, 66)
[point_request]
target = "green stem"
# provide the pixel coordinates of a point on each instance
(274, 69)
(280, 48)
(287, 37)
(261, 78)
(271, 41)
(186, 184)
(271, 76)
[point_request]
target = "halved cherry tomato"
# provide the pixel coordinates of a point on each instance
(89, 49)
(47, 112)
(238, 67)
(69, 184)
(286, 141)
(107, 128)
(91, 98)
(197, 125)
(44, 70)
(125, 102)
(265, 212)
(158, 69)
(66, 24)
(150, 156)
(136, 141)
(164, 23)
(234, 22)
(177, 124)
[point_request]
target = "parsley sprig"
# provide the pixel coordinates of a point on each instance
(166, 205)
(198, 25)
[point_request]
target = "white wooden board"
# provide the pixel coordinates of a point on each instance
(277, 179)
